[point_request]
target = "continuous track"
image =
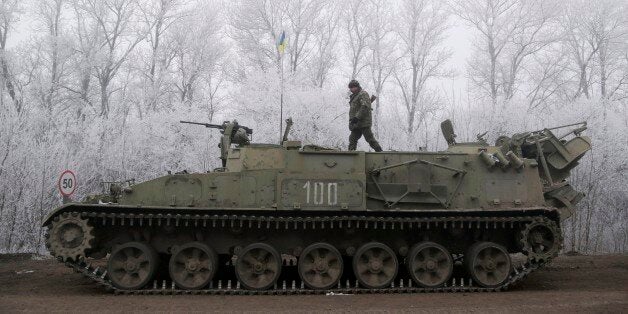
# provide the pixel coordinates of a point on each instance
(290, 287)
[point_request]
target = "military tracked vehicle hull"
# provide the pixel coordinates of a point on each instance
(283, 219)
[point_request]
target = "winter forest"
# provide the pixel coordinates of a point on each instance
(99, 87)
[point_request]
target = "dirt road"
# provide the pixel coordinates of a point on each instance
(570, 284)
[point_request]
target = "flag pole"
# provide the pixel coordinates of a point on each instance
(281, 100)
(281, 44)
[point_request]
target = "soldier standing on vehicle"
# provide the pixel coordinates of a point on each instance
(360, 118)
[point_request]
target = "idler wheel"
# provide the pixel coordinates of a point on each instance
(320, 266)
(488, 264)
(193, 266)
(258, 266)
(69, 237)
(132, 265)
(375, 265)
(429, 264)
(540, 240)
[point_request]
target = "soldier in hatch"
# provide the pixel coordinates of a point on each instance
(360, 117)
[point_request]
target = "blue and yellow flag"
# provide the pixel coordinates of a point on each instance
(281, 44)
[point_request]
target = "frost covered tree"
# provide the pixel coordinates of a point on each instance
(323, 56)
(116, 38)
(158, 19)
(197, 51)
(509, 33)
(9, 14)
(421, 29)
(358, 31)
(381, 49)
(596, 40)
(259, 24)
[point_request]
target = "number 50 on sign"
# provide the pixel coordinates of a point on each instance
(67, 183)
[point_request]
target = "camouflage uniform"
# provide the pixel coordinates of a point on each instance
(360, 108)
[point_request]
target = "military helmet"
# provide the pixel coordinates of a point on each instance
(354, 83)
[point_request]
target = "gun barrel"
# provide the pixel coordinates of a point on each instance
(207, 125)
(218, 126)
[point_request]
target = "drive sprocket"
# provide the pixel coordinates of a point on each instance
(69, 237)
(541, 239)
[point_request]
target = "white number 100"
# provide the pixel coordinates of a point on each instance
(318, 193)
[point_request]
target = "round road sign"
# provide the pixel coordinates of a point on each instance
(67, 183)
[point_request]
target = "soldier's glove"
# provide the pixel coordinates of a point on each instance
(353, 120)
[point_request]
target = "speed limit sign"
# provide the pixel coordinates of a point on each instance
(67, 183)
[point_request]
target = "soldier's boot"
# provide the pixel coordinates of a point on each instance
(370, 138)
(376, 146)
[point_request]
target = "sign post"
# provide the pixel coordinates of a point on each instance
(67, 185)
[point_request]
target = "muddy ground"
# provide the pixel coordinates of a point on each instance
(569, 284)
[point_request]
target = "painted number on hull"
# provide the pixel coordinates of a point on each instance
(321, 193)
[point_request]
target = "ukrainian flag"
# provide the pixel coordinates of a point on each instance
(281, 44)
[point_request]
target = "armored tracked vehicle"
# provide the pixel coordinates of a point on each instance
(288, 218)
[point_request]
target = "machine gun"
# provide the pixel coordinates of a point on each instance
(222, 126)
(231, 132)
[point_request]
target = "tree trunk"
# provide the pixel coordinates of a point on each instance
(574, 218)
(584, 86)
(2, 205)
(15, 213)
(41, 209)
(492, 75)
(410, 125)
(603, 77)
(6, 75)
(104, 98)
(378, 102)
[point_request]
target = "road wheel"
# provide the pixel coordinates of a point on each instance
(375, 265)
(132, 265)
(429, 264)
(258, 266)
(488, 264)
(193, 266)
(320, 266)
